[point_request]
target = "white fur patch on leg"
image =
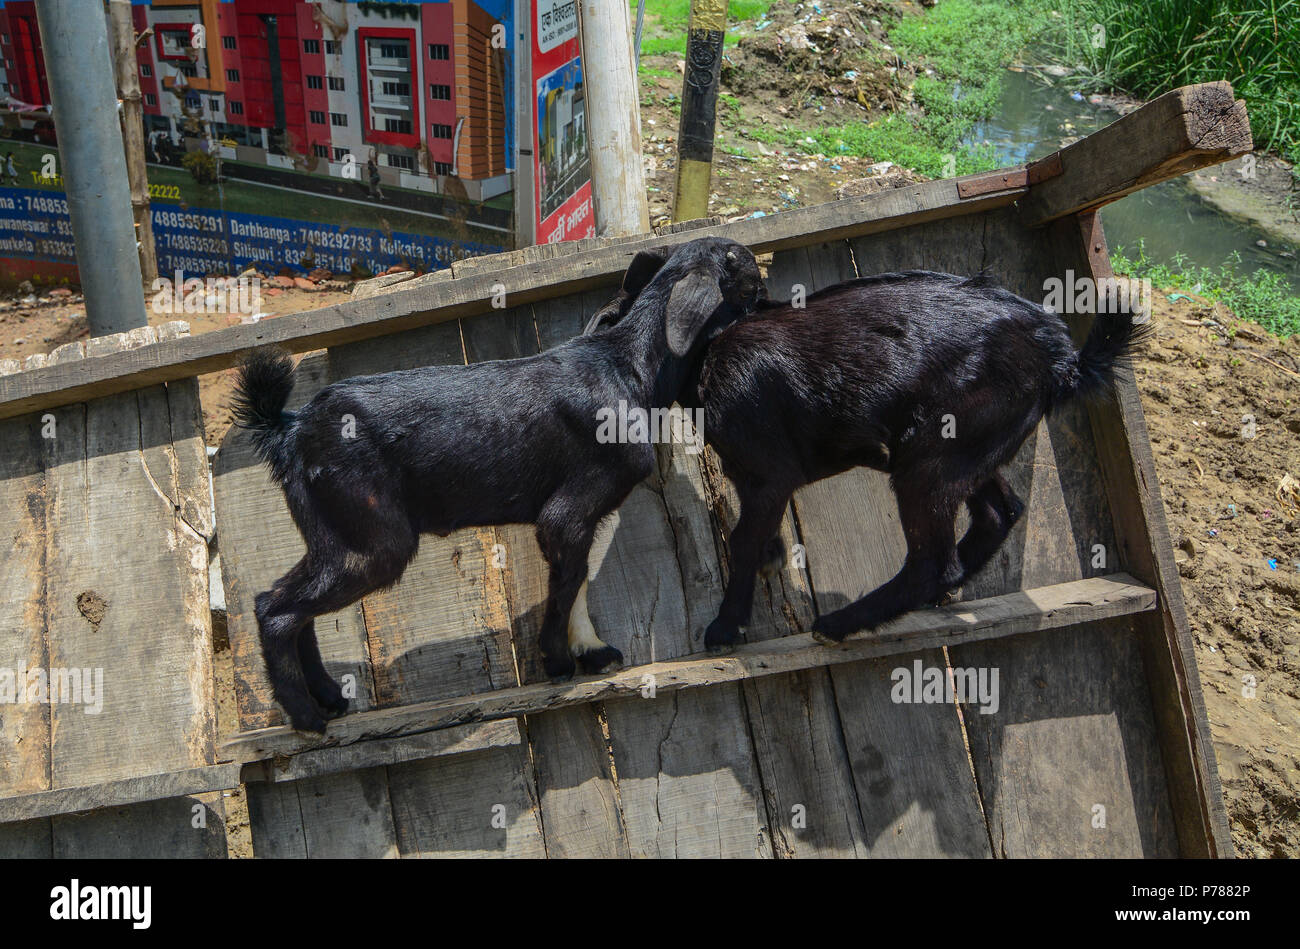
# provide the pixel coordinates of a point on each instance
(582, 635)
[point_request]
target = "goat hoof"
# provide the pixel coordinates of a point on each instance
(559, 670)
(721, 636)
(827, 631)
(946, 599)
(310, 727)
(605, 659)
(335, 709)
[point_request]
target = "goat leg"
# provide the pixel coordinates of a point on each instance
(323, 688)
(750, 544)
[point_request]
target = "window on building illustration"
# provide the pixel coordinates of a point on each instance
(227, 42)
(440, 131)
(336, 83)
(442, 167)
(188, 69)
(315, 82)
(311, 46)
(150, 99)
(333, 47)
(317, 117)
(236, 108)
(341, 153)
(214, 105)
(405, 162)
(401, 90)
(439, 51)
(439, 92)
(146, 70)
(321, 151)
(393, 50)
(339, 119)
(397, 125)
(232, 75)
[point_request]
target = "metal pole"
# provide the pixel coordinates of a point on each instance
(640, 25)
(74, 37)
(613, 119)
(128, 87)
(708, 25)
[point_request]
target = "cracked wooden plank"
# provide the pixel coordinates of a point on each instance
(1184, 129)
(1025, 611)
(807, 783)
(135, 628)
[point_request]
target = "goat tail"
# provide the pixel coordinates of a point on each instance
(1113, 335)
(265, 381)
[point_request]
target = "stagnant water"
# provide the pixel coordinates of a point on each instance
(1170, 217)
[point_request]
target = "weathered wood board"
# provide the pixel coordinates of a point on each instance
(107, 594)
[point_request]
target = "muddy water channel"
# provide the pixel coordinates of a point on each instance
(1170, 218)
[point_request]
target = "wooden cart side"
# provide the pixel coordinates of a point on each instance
(1146, 552)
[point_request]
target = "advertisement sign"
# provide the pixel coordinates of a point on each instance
(562, 168)
(288, 134)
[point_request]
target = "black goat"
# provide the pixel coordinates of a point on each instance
(933, 378)
(372, 462)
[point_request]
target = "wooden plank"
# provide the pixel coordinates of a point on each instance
(136, 627)
(908, 804)
(1144, 547)
(1066, 520)
(1024, 611)
(434, 299)
(444, 630)
(806, 778)
(306, 763)
(572, 767)
(1184, 129)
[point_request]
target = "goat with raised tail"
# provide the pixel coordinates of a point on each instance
(933, 378)
(444, 447)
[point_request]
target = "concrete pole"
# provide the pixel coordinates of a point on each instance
(74, 36)
(128, 89)
(613, 120)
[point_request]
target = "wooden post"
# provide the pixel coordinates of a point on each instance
(613, 120)
(128, 90)
(699, 109)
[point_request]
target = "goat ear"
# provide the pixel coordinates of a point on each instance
(607, 315)
(691, 303)
(643, 268)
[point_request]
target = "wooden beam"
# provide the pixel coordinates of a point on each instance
(312, 762)
(1182, 130)
(1133, 491)
(1063, 604)
(526, 276)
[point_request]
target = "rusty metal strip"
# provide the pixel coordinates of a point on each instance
(994, 181)
(1044, 168)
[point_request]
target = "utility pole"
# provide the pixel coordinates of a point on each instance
(613, 120)
(74, 37)
(128, 90)
(708, 26)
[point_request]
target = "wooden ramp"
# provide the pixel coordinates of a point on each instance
(1093, 742)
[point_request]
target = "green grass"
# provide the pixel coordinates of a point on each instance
(1262, 297)
(966, 44)
(1158, 45)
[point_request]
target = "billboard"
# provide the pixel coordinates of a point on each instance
(352, 135)
(561, 166)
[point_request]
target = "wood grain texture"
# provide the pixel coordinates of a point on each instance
(1143, 545)
(1184, 129)
(128, 634)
